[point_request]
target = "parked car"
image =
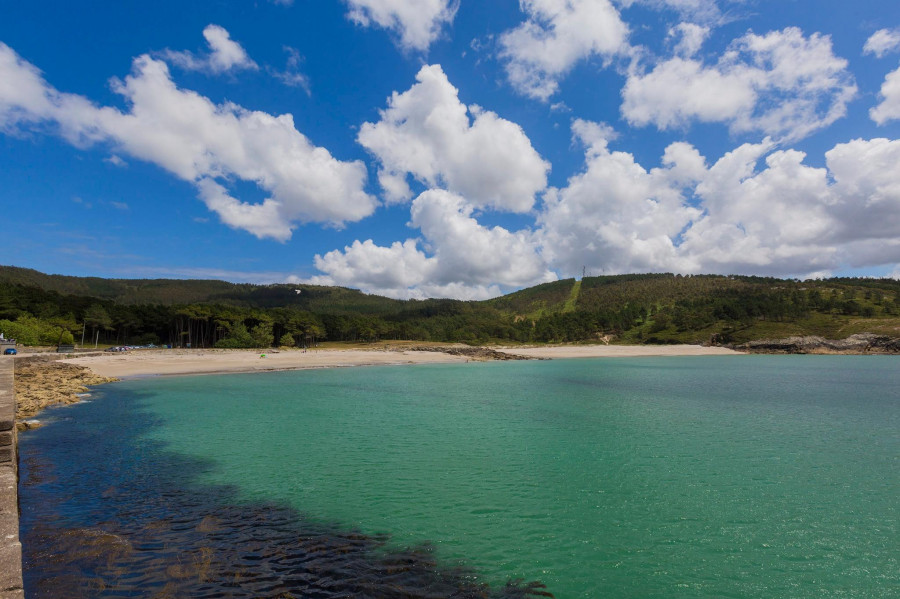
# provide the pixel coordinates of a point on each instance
(10, 351)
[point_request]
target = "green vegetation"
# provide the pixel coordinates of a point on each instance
(43, 309)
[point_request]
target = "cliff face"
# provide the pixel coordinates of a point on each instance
(862, 343)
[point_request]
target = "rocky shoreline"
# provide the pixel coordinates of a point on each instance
(477, 352)
(43, 381)
(859, 344)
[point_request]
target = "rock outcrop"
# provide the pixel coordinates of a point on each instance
(862, 343)
(478, 353)
(42, 381)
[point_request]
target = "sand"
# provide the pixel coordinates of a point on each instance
(138, 363)
(618, 351)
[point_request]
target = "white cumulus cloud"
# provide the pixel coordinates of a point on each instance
(889, 108)
(417, 23)
(617, 216)
(464, 259)
(199, 141)
(688, 38)
(556, 35)
(882, 42)
(428, 133)
(782, 84)
(224, 54)
(756, 210)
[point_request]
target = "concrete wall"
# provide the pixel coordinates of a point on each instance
(10, 548)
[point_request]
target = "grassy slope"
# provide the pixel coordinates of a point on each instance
(572, 302)
(538, 301)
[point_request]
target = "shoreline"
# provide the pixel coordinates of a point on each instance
(183, 362)
(564, 352)
(45, 380)
(178, 362)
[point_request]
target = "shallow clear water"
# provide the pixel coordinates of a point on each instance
(754, 476)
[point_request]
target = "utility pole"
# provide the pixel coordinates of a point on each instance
(583, 270)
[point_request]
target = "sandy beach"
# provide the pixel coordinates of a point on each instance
(216, 361)
(212, 361)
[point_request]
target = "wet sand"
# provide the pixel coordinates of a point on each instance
(618, 351)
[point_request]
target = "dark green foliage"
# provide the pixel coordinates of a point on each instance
(649, 308)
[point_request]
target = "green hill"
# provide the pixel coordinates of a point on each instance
(171, 292)
(635, 308)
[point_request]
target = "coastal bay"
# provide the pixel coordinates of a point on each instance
(653, 476)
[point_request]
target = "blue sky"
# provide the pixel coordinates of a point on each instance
(421, 148)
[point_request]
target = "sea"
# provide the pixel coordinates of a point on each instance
(696, 477)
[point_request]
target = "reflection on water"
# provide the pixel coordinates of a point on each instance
(94, 524)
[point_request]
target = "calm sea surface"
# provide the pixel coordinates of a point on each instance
(748, 476)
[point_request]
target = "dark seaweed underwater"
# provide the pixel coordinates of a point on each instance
(106, 513)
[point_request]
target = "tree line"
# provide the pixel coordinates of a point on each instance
(655, 308)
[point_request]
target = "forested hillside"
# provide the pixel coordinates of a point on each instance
(40, 309)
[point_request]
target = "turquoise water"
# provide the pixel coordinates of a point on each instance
(751, 476)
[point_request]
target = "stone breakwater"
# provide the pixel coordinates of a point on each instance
(863, 343)
(10, 548)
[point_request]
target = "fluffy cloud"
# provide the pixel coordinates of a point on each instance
(616, 216)
(556, 35)
(735, 216)
(883, 42)
(466, 261)
(417, 22)
(889, 108)
(782, 84)
(23, 93)
(688, 38)
(775, 219)
(759, 209)
(198, 141)
(428, 133)
(224, 54)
